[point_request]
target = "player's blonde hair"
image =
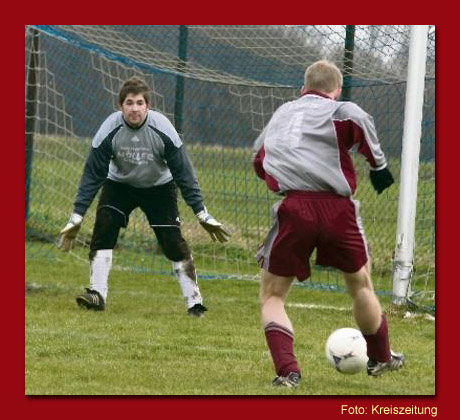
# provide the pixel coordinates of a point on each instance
(134, 85)
(323, 76)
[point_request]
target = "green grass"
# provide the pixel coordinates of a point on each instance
(145, 344)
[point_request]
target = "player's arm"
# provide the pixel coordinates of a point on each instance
(259, 155)
(258, 163)
(365, 135)
(184, 176)
(94, 175)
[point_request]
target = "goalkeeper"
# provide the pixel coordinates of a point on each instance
(303, 154)
(138, 159)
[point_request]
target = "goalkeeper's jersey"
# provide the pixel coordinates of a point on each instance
(143, 157)
(306, 145)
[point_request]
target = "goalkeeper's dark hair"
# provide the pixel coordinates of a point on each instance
(134, 85)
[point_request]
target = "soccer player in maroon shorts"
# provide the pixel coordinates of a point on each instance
(303, 154)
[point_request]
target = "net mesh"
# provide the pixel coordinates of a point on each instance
(219, 85)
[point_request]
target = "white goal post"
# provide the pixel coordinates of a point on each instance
(405, 234)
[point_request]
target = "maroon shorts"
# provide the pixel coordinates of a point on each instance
(304, 221)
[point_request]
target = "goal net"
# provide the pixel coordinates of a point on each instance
(219, 85)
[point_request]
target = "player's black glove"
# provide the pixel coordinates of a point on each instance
(381, 179)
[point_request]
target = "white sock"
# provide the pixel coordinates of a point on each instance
(99, 271)
(185, 273)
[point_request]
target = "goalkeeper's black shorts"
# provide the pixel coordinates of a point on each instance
(159, 204)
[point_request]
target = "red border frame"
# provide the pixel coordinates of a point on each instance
(207, 407)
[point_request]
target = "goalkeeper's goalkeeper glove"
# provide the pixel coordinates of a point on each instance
(381, 179)
(70, 232)
(215, 229)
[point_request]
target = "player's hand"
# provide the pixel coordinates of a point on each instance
(70, 232)
(381, 179)
(215, 229)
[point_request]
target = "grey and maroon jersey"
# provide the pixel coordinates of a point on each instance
(142, 157)
(306, 145)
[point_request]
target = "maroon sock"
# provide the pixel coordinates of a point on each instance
(280, 341)
(378, 344)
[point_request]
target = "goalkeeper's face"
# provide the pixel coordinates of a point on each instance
(134, 109)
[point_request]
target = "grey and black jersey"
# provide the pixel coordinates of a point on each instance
(143, 157)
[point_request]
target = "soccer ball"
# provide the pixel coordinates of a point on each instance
(346, 350)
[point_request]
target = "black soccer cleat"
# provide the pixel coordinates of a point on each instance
(290, 381)
(376, 368)
(197, 310)
(91, 300)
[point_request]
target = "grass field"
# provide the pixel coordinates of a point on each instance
(145, 344)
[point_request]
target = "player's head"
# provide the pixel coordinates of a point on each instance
(134, 100)
(134, 85)
(325, 77)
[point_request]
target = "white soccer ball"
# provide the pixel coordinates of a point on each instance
(346, 350)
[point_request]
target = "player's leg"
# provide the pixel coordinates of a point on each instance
(344, 247)
(112, 213)
(285, 255)
(176, 249)
(279, 332)
(160, 206)
(372, 323)
(366, 307)
(273, 293)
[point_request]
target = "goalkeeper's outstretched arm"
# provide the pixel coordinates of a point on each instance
(94, 175)
(185, 177)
